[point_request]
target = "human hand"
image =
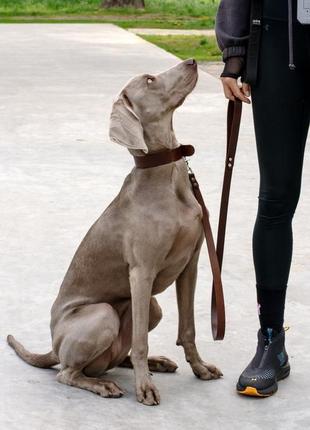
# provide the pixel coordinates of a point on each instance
(232, 89)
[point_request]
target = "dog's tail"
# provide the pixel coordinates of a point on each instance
(38, 360)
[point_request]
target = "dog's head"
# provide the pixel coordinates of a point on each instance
(142, 113)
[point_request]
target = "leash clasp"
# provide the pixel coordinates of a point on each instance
(189, 170)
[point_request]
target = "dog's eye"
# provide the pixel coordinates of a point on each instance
(150, 79)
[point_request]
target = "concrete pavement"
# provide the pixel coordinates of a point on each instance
(59, 171)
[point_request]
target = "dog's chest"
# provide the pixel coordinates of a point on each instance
(184, 245)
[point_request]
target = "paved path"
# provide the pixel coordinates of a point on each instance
(59, 171)
(214, 68)
(172, 32)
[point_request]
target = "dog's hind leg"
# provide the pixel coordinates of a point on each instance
(99, 386)
(79, 339)
(156, 363)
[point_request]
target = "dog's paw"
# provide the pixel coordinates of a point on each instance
(108, 389)
(206, 371)
(161, 364)
(147, 393)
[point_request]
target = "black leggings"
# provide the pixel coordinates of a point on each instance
(281, 110)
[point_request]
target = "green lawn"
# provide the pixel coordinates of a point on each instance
(181, 14)
(201, 48)
(157, 14)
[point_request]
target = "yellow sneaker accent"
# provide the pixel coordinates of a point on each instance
(251, 391)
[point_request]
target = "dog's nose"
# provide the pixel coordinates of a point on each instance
(191, 62)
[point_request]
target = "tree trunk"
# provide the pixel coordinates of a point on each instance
(123, 3)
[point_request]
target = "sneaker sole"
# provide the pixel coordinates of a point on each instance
(267, 392)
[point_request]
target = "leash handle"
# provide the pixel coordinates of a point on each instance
(234, 112)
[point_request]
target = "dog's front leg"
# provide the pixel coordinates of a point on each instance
(141, 283)
(185, 285)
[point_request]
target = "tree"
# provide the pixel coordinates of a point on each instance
(124, 3)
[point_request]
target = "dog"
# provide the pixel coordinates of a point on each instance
(148, 238)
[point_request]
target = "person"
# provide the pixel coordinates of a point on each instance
(280, 98)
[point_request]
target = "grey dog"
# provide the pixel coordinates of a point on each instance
(148, 238)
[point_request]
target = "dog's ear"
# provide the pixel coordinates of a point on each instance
(125, 126)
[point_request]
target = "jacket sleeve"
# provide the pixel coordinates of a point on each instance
(232, 27)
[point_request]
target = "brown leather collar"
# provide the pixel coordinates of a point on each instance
(164, 157)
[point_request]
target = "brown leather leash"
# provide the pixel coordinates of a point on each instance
(215, 255)
(234, 112)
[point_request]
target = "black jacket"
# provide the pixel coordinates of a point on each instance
(233, 32)
(232, 27)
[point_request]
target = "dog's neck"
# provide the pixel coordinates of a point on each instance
(143, 184)
(158, 136)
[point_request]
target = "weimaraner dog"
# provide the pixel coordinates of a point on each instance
(149, 237)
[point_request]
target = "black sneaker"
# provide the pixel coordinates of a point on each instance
(269, 365)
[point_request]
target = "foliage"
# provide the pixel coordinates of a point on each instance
(202, 48)
(192, 8)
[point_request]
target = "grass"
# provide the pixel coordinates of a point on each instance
(202, 48)
(157, 14)
(179, 14)
(194, 8)
(146, 21)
